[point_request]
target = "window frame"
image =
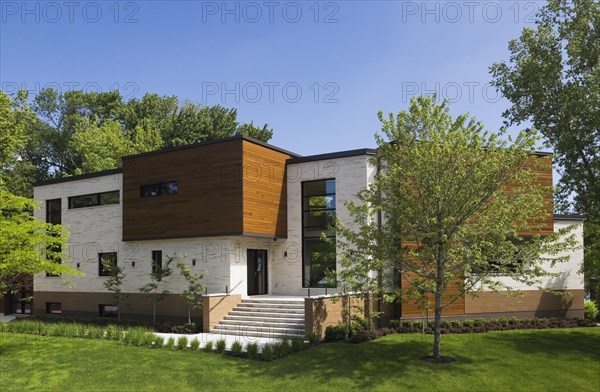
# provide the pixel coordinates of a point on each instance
(103, 313)
(164, 188)
(48, 306)
(306, 209)
(101, 270)
(98, 199)
(156, 264)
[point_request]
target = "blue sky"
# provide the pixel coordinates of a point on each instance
(316, 72)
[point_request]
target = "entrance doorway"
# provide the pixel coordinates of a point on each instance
(257, 271)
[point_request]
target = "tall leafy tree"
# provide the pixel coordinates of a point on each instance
(454, 201)
(27, 246)
(552, 79)
(195, 286)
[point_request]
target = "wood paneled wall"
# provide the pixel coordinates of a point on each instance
(412, 309)
(229, 187)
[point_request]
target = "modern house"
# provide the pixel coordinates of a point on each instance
(249, 214)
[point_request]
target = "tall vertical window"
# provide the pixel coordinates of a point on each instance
(156, 261)
(318, 216)
(54, 216)
(106, 261)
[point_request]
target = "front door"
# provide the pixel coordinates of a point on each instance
(257, 271)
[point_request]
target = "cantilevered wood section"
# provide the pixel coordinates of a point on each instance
(542, 166)
(411, 308)
(209, 192)
(265, 199)
(227, 187)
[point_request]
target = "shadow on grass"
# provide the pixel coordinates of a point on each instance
(367, 364)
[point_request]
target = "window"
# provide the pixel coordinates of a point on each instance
(165, 188)
(318, 216)
(156, 261)
(53, 307)
(106, 261)
(94, 199)
(509, 259)
(54, 216)
(107, 310)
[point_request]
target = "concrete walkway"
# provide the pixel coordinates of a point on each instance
(229, 339)
(6, 318)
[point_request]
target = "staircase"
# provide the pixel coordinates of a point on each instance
(273, 318)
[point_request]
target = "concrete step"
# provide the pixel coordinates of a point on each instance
(251, 334)
(265, 314)
(267, 310)
(269, 305)
(253, 317)
(254, 331)
(263, 323)
(274, 301)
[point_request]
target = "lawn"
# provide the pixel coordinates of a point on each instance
(540, 360)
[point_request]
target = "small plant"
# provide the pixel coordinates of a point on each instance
(252, 349)
(312, 338)
(170, 343)
(590, 310)
(267, 353)
(158, 342)
(195, 344)
(182, 342)
(297, 344)
(208, 347)
(236, 349)
(220, 346)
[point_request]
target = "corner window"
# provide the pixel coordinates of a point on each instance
(53, 307)
(106, 261)
(94, 199)
(318, 216)
(107, 310)
(156, 261)
(161, 189)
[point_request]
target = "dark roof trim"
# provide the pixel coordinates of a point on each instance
(208, 142)
(79, 177)
(333, 155)
(202, 235)
(543, 153)
(577, 217)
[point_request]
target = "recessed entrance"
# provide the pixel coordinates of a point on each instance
(257, 271)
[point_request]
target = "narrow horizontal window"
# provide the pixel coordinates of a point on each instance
(94, 199)
(53, 307)
(164, 188)
(107, 310)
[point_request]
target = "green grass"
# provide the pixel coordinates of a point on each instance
(538, 360)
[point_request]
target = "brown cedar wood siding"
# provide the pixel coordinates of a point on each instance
(265, 197)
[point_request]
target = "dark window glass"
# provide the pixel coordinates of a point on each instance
(318, 256)
(109, 198)
(107, 310)
(53, 307)
(156, 261)
(95, 199)
(53, 211)
(105, 262)
(164, 188)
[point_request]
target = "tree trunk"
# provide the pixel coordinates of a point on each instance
(368, 309)
(154, 313)
(189, 315)
(438, 319)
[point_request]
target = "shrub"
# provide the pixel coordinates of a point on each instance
(455, 324)
(252, 349)
(112, 332)
(396, 324)
(194, 344)
(182, 342)
(267, 353)
(297, 344)
(170, 343)
(158, 341)
(208, 347)
(358, 325)
(335, 333)
(312, 338)
(236, 349)
(513, 321)
(220, 346)
(590, 310)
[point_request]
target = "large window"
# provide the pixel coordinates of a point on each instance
(107, 310)
(54, 216)
(164, 188)
(318, 217)
(94, 199)
(156, 261)
(106, 261)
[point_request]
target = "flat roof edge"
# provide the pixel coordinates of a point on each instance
(79, 177)
(577, 217)
(333, 155)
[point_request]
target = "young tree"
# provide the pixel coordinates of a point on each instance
(114, 284)
(195, 288)
(153, 288)
(455, 202)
